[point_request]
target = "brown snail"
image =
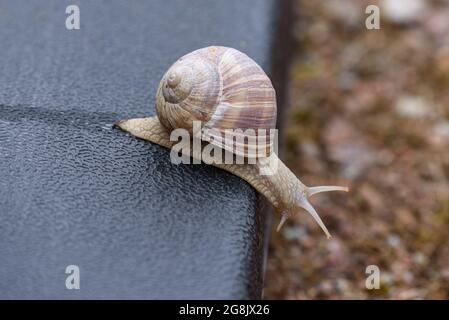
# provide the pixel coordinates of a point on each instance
(225, 90)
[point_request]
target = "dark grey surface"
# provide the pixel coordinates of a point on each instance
(75, 190)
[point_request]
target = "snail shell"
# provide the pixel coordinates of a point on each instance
(225, 90)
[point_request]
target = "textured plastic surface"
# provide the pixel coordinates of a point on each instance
(76, 190)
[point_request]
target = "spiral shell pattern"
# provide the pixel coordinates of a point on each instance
(228, 92)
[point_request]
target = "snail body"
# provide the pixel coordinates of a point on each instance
(225, 90)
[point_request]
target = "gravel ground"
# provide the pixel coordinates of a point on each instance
(368, 109)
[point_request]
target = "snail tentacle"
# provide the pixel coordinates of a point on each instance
(284, 218)
(320, 189)
(290, 194)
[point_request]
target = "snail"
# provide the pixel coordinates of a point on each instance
(225, 89)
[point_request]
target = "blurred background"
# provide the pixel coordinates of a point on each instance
(368, 109)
